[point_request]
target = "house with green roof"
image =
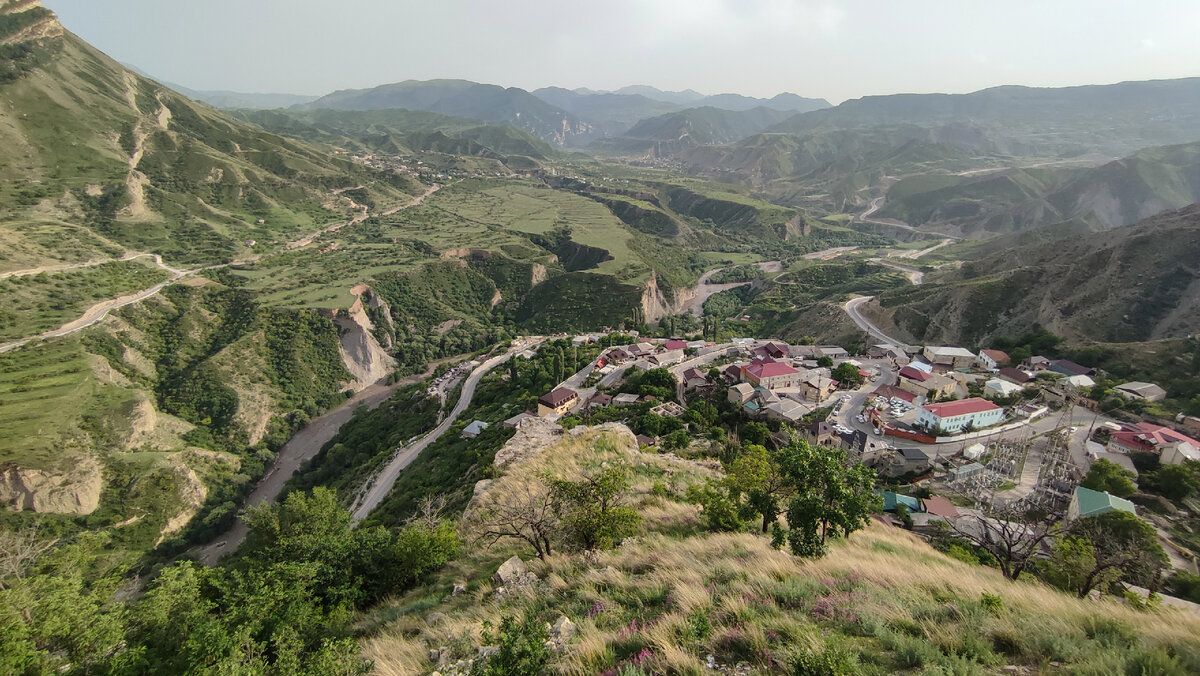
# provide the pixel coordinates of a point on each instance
(1087, 502)
(890, 500)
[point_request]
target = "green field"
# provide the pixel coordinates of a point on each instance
(522, 208)
(43, 391)
(26, 244)
(36, 303)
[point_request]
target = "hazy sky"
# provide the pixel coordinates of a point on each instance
(835, 50)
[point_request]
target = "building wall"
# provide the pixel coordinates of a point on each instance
(544, 410)
(981, 419)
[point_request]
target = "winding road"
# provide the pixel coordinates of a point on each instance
(100, 310)
(383, 482)
(704, 291)
(852, 308)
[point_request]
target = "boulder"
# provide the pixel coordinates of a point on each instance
(563, 628)
(511, 572)
(459, 588)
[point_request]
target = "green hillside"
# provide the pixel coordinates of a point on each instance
(670, 133)
(399, 131)
(461, 98)
(1111, 195)
(1130, 284)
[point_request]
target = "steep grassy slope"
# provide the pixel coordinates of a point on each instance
(1110, 119)
(1117, 193)
(675, 597)
(1129, 284)
(145, 168)
(397, 130)
(670, 133)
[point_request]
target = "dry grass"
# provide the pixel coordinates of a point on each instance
(670, 597)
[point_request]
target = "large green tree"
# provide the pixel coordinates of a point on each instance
(1109, 477)
(757, 475)
(832, 497)
(1099, 550)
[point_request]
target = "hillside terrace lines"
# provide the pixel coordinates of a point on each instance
(100, 310)
(364, 214)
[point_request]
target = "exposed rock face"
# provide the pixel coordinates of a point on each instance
(533, 435)
(75, 492)
(192, 492)
(363, 356)
(656, 305)
(538, 274)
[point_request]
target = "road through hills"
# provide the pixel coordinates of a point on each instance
(383, 483)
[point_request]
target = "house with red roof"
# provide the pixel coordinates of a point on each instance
(675, 344)
(991, 360)
(1162, 441)
(955, 416)
(771, 374)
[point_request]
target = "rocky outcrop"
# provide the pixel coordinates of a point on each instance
(76, 491)
(533, 435)
(362, 354)
(192, 492)
(537, 275)
(656, 305)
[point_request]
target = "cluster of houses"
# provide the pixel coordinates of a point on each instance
(782, 382)
(939, 372)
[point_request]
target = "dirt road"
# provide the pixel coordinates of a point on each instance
(100, 310)
(704, 291)
(300, 448)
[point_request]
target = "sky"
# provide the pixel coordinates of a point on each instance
(815, 48)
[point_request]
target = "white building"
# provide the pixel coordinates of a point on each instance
(1000, 388)
(955, 416)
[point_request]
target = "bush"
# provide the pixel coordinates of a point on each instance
(831, 661)
(522, 649)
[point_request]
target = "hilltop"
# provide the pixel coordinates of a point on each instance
(1129, 284)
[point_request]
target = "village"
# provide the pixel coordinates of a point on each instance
(952, 434)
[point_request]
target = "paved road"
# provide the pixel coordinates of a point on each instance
(914, 275)
(383, 483)
(100, 310)
(301, 447)
(877, 204)
(852, 308)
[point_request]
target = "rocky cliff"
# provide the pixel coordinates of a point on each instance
(365, 359)
(75, 491)
(655, 301)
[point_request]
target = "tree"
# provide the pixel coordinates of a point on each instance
(679, 439)
(847, 374)
(756, 474)
(528, 515)
(1102, 549)
(719, 506)
(1176, 482)
(592, 510)
(521, 648)
(756, 432)
(1012, 533)
(832, 498)
(1109, 477)
(826, 362)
